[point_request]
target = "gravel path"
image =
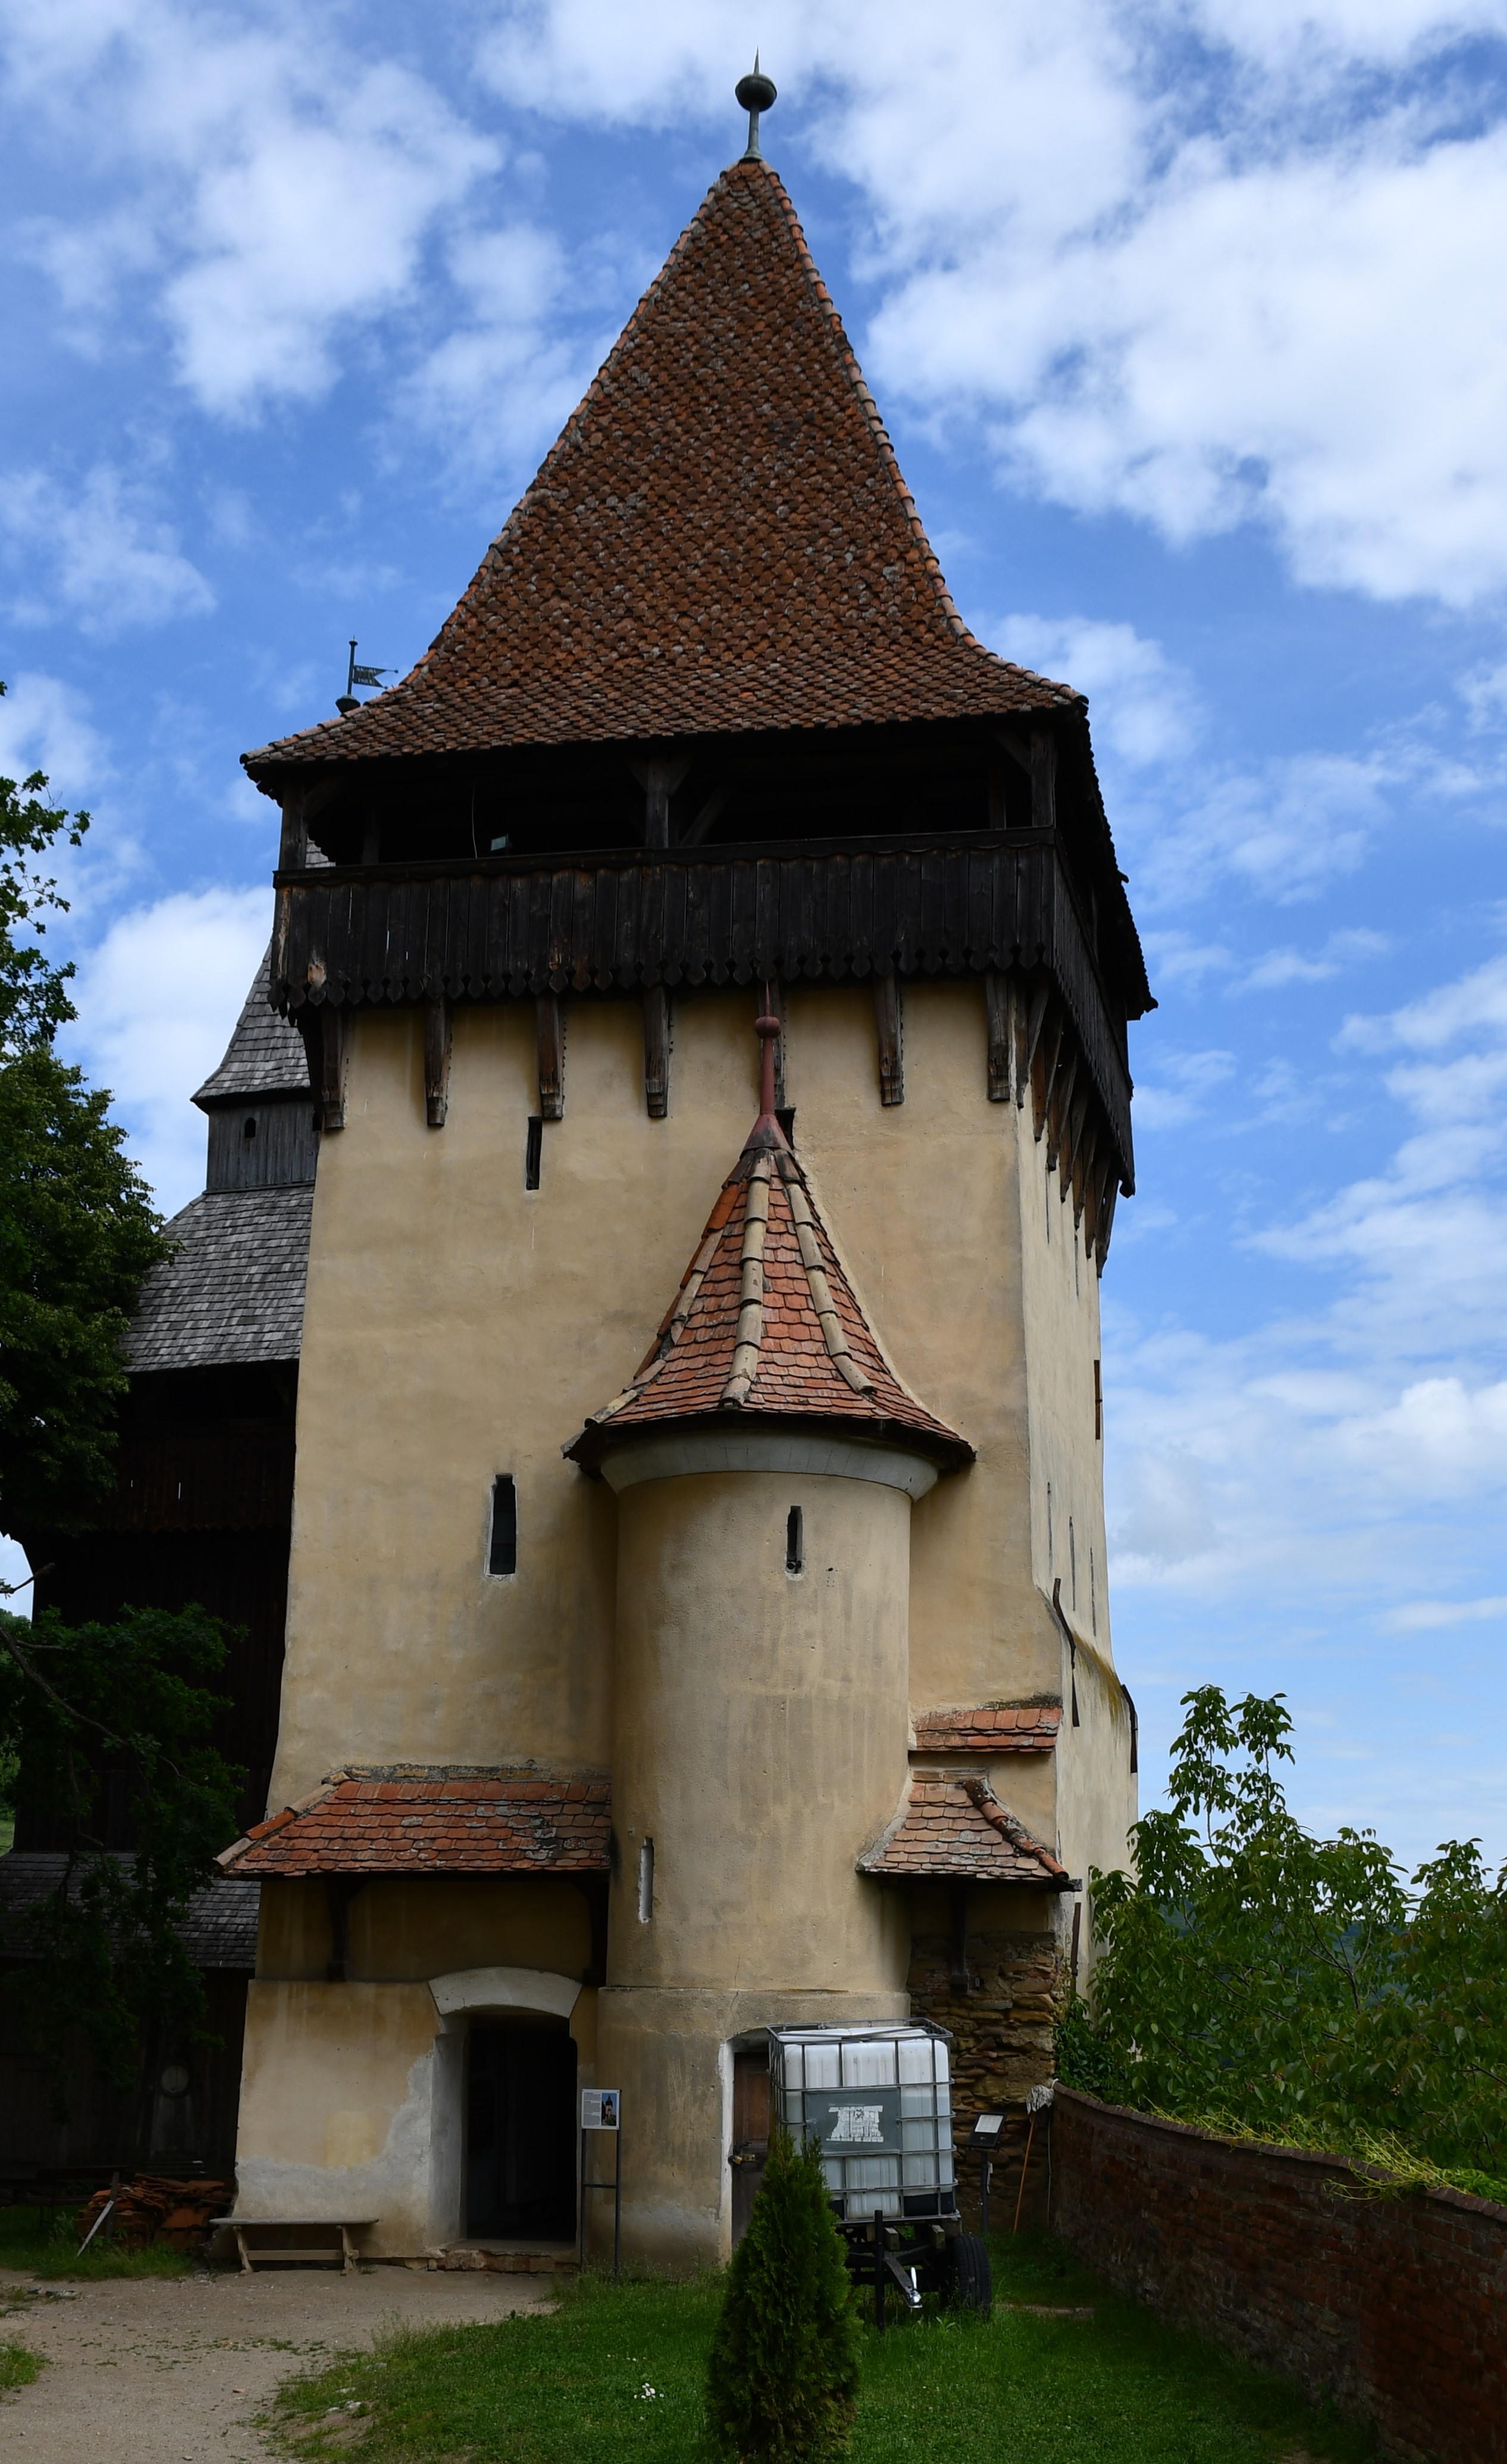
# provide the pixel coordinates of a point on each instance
(173, 2370)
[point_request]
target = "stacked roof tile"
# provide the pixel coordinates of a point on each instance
(437, 1822)
(952, 1828)
(991, 1728)
(721, 538)
(233, 1291)
(265, 1055)
(766, 1325)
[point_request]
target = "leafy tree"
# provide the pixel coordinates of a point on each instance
(782, 2379)
(83, 1711)
(78, 1231)
(1252, 1972)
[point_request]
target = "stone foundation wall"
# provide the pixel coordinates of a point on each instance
(1004, 2034)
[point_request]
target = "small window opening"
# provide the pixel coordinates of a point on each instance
(249, 1126)
(1093, 1594)
(1077, 1293)
(795, 1541)
(1049, 1550)
(534, 1152)
(1098, 1403)
(646, 1883)
(500, 847)
(502, 1556)
(1046, 1194)
(1072, 1562)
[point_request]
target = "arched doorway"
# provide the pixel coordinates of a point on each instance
(521, 2130)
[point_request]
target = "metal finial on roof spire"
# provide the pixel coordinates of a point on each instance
(756, 94)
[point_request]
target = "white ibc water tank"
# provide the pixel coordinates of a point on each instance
(878, 2100)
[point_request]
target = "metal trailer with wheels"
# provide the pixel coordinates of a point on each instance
(878, 2100)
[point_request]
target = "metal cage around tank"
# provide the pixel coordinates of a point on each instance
(879, 2099)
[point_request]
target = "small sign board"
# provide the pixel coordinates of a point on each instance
(988, 2127)
(599, 2108)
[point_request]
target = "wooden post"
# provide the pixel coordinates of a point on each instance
(656, 1051)
(436, 1061)
(323, 1033)
(551, 1036)
(659, 775)
(1000, 1003)
(292, 851)
(1043, 779)
(889, 1022)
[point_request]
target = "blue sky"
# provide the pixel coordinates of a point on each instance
(1188, 322)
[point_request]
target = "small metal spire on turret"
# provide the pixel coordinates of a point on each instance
(756, 93)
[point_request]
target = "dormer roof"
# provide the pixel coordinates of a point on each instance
(720, 540)
(766, 1327)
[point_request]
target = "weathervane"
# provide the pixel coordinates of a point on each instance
(756, 94)
(346, 701)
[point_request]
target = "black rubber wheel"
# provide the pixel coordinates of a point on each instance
(972, 2282)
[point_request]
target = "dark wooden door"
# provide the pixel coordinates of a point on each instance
(520, 2141)
(750, 2131)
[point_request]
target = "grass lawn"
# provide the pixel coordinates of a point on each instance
(46, 2239)
(614, 2377)
(18, 2367)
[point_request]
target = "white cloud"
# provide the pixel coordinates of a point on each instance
(44, 725)
(1179, 289)
(1187, 1079)
(1145, 711)
(1425, 1616)
(1346, 948)
(95, 553)
(276, 189)
(157, 999)
(502, 384)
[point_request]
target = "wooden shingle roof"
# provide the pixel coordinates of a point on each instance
(952, 1828)
(720, 540)
(766, 1325)
(434, 1822)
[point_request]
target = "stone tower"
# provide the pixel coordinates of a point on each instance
(768, 1690)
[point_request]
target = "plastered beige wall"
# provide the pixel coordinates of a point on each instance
(410, 1930)
(459, 1326)
(761, 1729)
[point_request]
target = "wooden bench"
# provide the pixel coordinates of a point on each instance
(339, 2251)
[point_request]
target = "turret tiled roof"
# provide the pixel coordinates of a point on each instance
(951, 1827)
(989, 1729)
(766, 1325)
(720, 540)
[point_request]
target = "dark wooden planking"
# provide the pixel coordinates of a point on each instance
(825, 911)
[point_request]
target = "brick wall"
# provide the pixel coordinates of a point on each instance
(1003, 2043)
(1394, 2309)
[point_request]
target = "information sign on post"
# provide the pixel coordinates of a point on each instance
(601, 2109)
(986, 2135)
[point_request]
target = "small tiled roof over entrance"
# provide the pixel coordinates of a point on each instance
(434, 1822)
(721, 538)
(766, 1325)
(989, 1729)
(952, 1828)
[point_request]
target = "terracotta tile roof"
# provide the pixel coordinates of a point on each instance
(766, 1323)
(720, 540)
(494, 1823)
(952, 1828)
(989, 1729)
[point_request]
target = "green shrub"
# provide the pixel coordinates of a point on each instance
(782, 2381)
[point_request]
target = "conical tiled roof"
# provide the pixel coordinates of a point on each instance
(720, 540)
(766, 1325)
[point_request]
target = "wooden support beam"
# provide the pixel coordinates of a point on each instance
(1043, 1068)
(1072, 1131)
(1106, 1221)
(999, 1009)
(656, 1051)
(705, 817)
(323, 1033)
(436, 1061)
(659, 775)
(293, 847)
(1060, 1098)
(550, 1036)
(1043, 779)
(889, 1024)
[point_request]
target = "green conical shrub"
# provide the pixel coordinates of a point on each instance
(782, 2381)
